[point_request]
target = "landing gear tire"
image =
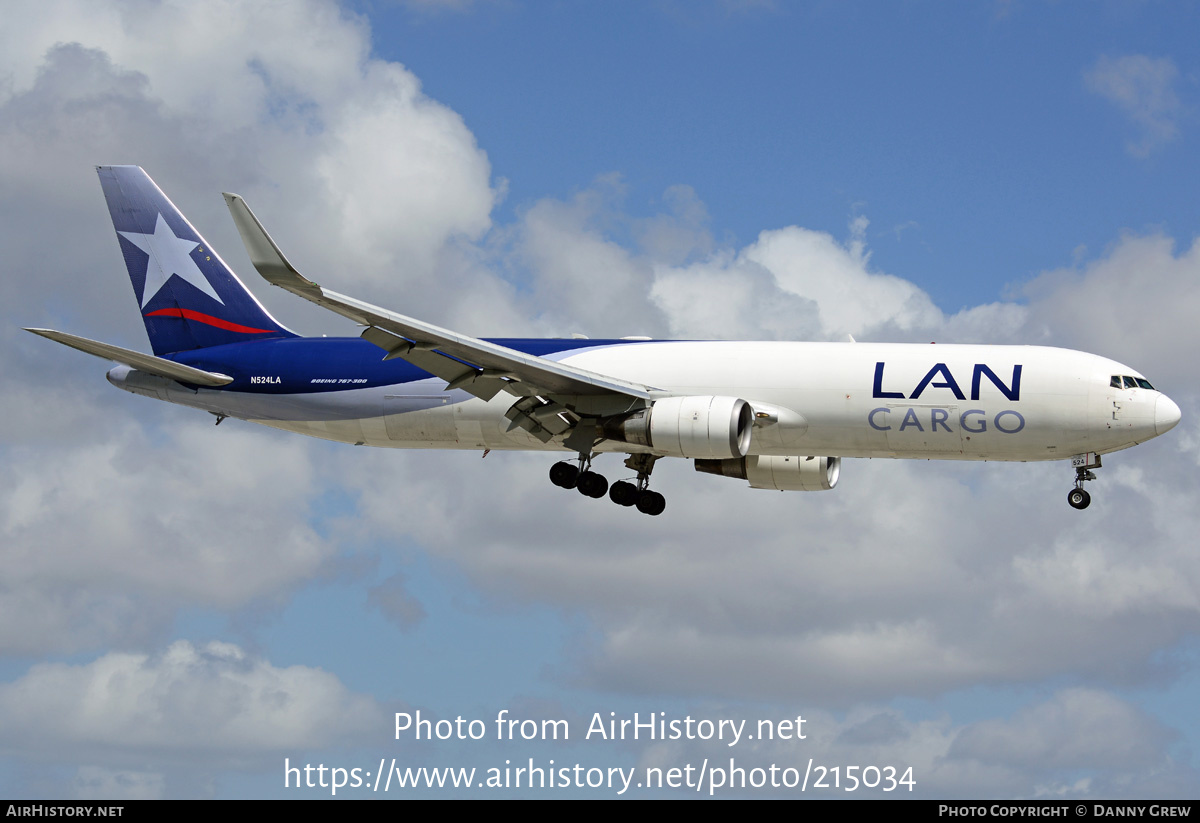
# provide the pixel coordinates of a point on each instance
(651, 503)
(568, 475)
(591, 484)
(623, 493)
(1084, 463)
(564, 475)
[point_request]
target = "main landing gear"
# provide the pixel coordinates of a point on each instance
(570, 476)
(1083, 463)
(580, 476)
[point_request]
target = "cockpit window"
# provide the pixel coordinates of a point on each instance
(1126, 381)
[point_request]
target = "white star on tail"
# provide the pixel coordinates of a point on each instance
(169, 255)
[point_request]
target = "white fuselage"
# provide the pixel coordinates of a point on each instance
(967, 402)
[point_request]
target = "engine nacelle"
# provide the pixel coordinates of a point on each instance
(138, 382)
(699, 426)
(801, 474)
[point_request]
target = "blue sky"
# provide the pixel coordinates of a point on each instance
(942, 125)
(185, 606)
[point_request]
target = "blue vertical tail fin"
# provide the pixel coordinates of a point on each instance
(188, 297)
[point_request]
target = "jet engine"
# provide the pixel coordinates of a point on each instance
(802, 474)
(139, 382)
(700, 426)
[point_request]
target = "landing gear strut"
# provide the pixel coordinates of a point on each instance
(568, 475)
(1078, 498)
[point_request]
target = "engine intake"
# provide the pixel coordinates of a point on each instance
(801, 474)
(701, 426)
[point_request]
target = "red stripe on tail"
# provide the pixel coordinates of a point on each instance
(207, 319)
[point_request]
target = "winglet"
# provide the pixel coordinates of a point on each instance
(143, 362)
(264, 254)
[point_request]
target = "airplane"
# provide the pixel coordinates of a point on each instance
(780, 415)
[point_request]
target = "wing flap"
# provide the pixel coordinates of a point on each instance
(142, 362)
(483, 383)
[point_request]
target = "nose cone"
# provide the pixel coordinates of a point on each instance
(1166, 415)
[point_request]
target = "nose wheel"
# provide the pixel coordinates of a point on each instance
(1077, 497)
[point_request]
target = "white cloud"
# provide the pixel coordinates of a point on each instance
(732, 297)
(1077, 728)
(1136, 304)
(679, 234)
(425, 182)
(337, 152)
(102, 542)
(1079, 742)
(1143, 89)
(738, 592)
(811, 274)
(96, 782)
(579, 275)
(910, 578)
(791, 283)
(727, 595)
(186, 703)
(681, 589)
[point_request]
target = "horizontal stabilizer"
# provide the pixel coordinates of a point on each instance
(142, 362)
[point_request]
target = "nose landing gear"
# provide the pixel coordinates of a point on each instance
(1078, 498)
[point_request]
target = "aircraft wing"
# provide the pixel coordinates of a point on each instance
(142, 362)
(476, 366)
